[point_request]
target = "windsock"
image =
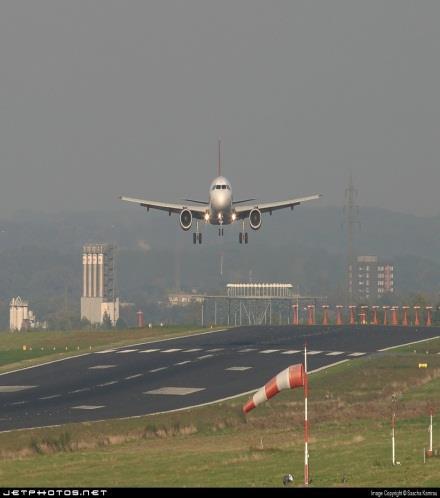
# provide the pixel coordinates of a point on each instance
(291, 377)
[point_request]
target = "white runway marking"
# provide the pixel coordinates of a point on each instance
(133, 376)
(106, 351)
(356, 354)
(192, 350)
(148, 350)
(127, 351)
(87, 407)
(158, 369)
(314, 352)
(101, 367)
(335, 353)
(291, 351)
(238, 369)
(110, 383)
(247, 350)
(19, 402)
(172, 350)
(51, 397)
(214, 350)
(182, 362)
(205, 356)
(84, 389)
(175, 391)
(14, 389)
(268, 351)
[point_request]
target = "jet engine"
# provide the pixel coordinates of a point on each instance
(255, 219)
(185, 219)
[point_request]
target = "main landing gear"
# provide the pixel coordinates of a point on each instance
(243, 236)
(197, 236)
(220, 232)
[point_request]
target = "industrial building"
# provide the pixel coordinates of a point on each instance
(21, 317)
(99, 293)
(370, 278)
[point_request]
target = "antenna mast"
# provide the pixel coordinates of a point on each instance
(351, 211)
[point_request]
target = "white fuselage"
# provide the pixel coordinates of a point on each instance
(220, 210)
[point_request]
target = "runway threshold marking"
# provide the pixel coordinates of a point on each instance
(268, 351)
(291, 351)
(105, 351)
(149, 350)
(335, 353)
(101, 367)
(105, 384)
(175, 391)
(84, 389)
(193, 350)
(238, 369)
(215, 350)
(247, 350)
(357, 354)
(88, 407)
(172, 350)
(51, 396)
(313, 352)
(183, 362)
(127, 351)
(205, 356)
(158, 369)
(133, 376)
(14, 389)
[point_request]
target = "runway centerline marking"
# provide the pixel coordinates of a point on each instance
(101, 367)
(51, 397)
(84, 389)
(314, 352)
(158, 369)
(215, 350)
(87, 407)
(172, 350)
(334, 353)
(247, 350)
(149, 350)
(19, 402)
(175, 391)
(127, 351)
(110, 383)
(193, 350)
(356, 354)
(268, 351)
(183, 362)
(238, 369)
(133, 376)
(14, 389)
(105, 351)
(291, 351)
(205, 356)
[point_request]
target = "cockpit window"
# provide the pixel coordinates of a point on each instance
(223, 187)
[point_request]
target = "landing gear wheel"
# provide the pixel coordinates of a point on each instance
(200, 237)
(246, 238)
(194, 238)
(240, 238)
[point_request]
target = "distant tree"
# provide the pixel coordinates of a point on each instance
(106, 321)
(121, 324)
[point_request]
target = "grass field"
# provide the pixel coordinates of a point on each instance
(350, 409)
(44, 346)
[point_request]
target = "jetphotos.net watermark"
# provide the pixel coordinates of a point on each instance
(33, 493)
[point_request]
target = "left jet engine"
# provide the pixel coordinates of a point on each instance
(185, 219)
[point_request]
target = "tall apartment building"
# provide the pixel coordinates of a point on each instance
(99, 294)
(370, 278)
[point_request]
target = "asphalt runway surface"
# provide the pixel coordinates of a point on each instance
(172, 374)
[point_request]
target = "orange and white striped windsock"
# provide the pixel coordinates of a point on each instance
(291, 377)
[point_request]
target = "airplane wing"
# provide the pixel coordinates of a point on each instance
(243, 211)
(197, 211)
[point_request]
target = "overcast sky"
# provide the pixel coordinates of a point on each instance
(101, 98)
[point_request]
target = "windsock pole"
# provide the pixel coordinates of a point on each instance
(393, 441)
(306, 421)
(430, 435)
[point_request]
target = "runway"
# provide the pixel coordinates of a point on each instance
(172, 374)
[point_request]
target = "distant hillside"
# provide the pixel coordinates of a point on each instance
(40, 256)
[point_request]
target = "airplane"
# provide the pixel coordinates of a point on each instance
(220, 209)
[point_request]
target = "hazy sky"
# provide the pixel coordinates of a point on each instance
(101, 98)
